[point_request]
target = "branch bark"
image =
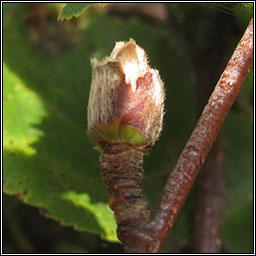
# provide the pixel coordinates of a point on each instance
(149, 238)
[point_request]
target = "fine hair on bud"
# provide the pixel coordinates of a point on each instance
(126, 102)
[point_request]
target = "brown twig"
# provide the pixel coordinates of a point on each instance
(149, 238)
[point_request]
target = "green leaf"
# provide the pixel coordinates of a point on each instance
(72, 10)
(24, 108)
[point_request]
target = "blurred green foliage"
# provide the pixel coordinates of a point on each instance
(72, 10)
(49, 161)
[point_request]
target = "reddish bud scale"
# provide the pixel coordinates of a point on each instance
(126, 99)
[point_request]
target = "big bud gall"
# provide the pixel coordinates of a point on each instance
(126, 102)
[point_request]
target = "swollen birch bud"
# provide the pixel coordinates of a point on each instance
(126, 101)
